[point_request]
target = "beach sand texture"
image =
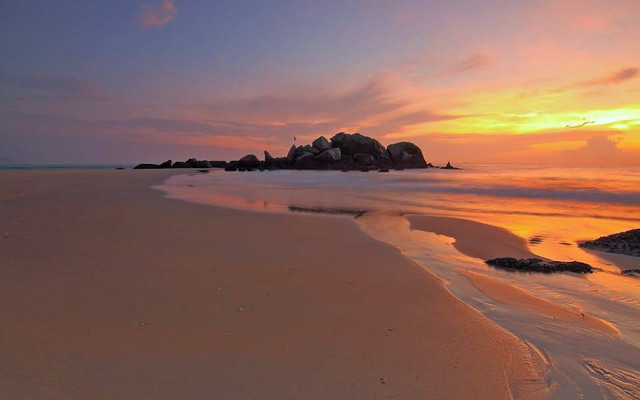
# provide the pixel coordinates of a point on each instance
(108, 290)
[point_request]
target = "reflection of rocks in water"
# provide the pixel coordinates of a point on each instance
(627, 243)
(534, 240)
(319, 210)
(539, 265)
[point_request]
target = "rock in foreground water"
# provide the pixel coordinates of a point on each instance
(627, 243)
(539, 265)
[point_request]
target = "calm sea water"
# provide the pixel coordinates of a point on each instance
(64, 166)
(553, 208)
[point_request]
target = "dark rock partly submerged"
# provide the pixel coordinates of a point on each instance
(627, 243)
(449, 166)
(539, 265)
(632, 272)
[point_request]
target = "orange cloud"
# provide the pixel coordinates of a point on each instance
(159, 14)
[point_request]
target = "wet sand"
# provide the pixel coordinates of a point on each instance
(108, 290)
(518, 297)
(474, 239)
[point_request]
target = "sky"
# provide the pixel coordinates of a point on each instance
(470, 81)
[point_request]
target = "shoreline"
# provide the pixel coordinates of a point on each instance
(142, 295)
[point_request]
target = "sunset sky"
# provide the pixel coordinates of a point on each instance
(494, 81)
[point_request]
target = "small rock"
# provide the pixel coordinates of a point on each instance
(539, 265)
(627, 243)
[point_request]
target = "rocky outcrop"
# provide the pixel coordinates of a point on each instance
(363, 159)
(201, 164)
(310, 149)
(218, 164)
(166, 164)
(321, 144)
(357, 143)
(146, 166)
(627, 243)
(539, 265)
(268, 160)
(449, 166)
(330, 156)
(346, 152)
(306, 160)
(249, 161)
(406, 155)
(291, 156)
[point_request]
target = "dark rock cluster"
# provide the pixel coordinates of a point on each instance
(346, 152)
(539, 265)
(627, 243)
(632, 272)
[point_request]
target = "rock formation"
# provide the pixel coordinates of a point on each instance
(344, 151)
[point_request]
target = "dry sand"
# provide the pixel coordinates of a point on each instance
(110, 291)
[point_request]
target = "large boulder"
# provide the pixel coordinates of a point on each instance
(321, 144)
(330, 156)
(406, 155)
(311, 149)
(357, 143)
(305, 161)
(280, 162)
(268, 160)
(166, 164)
(146, 166)
(249, 161)
(218, 164)
(299, 151)
(291, 156)
(384, 161)
(363, 159)
(202, 164)
(338, 139)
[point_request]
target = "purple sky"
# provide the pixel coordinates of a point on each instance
(469, 81)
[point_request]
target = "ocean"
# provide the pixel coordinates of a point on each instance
(63, 166)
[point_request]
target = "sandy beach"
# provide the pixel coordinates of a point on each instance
(109, 290)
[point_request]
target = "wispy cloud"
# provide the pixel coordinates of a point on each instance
(158, 15)
(471, 63)
(54, 87)
(623, 75)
